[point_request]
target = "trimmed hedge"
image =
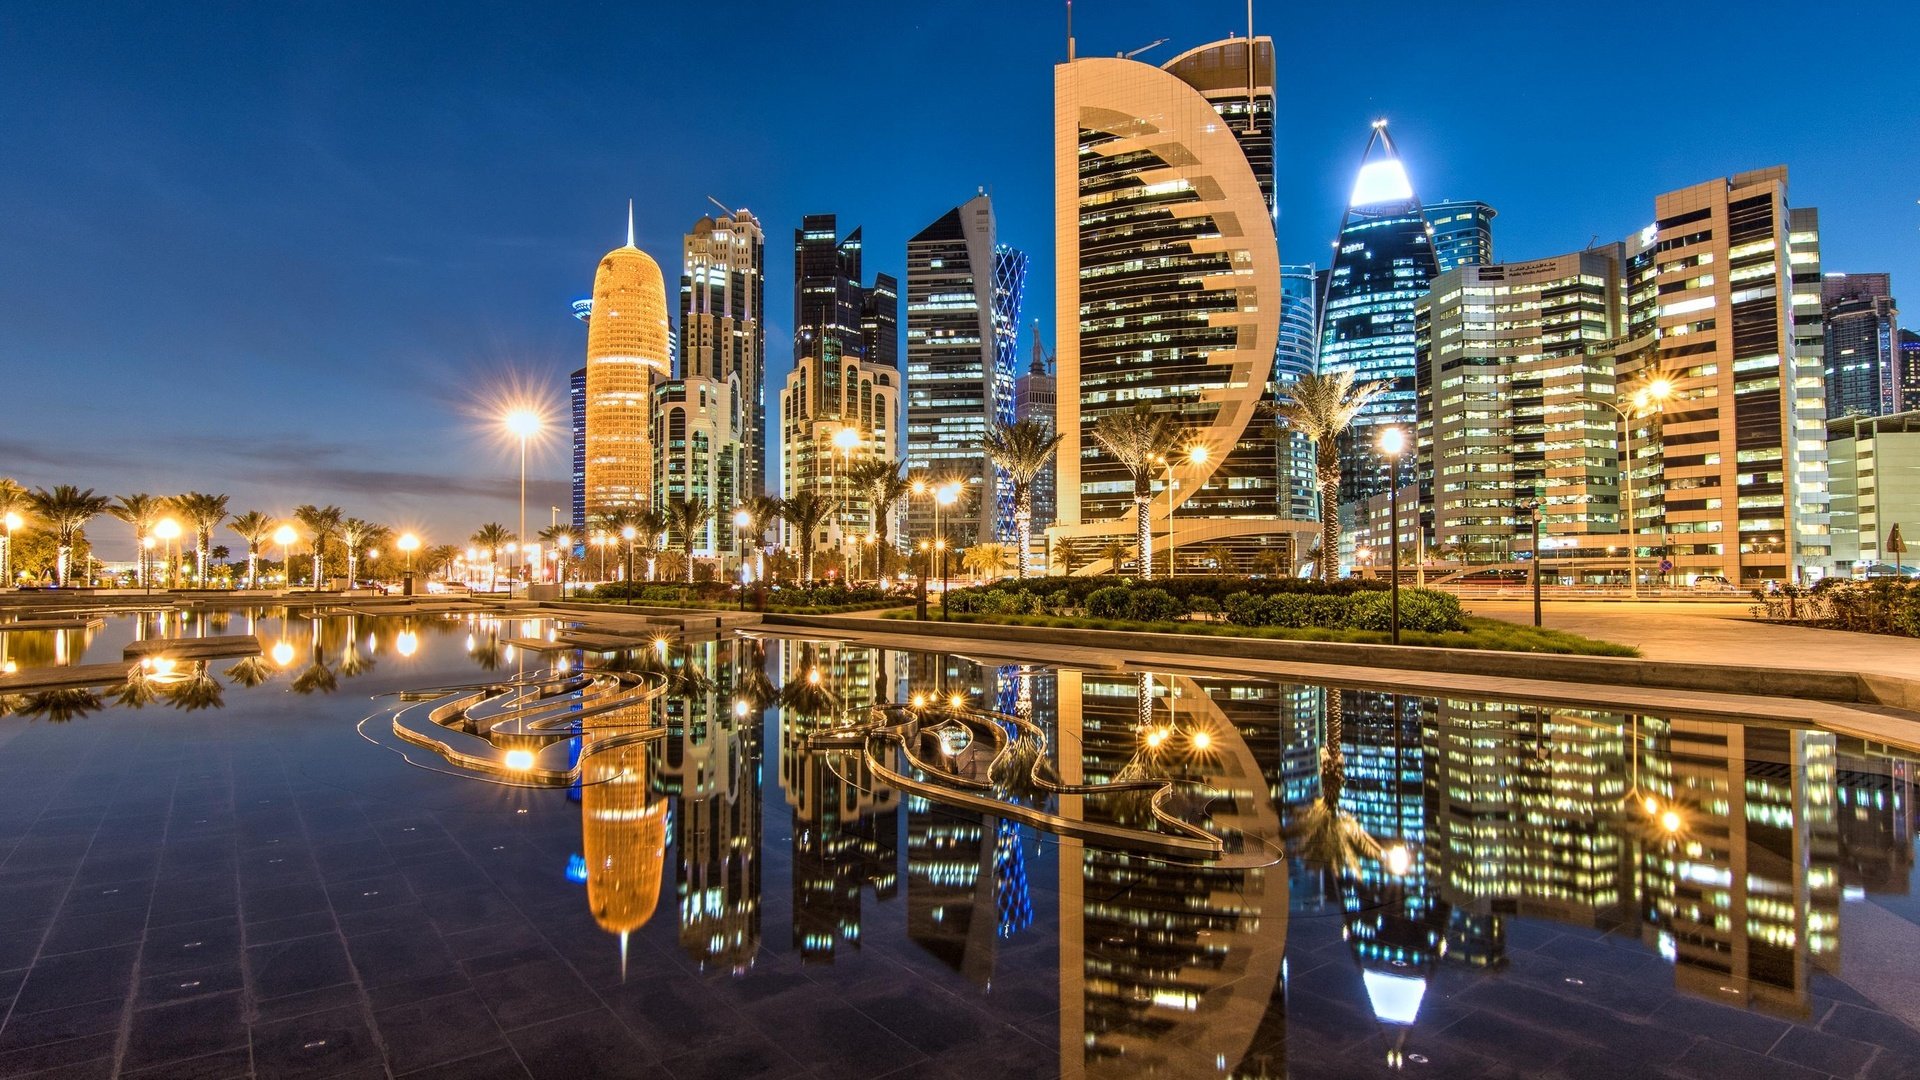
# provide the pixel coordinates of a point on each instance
(1285, 603)
(787, 597)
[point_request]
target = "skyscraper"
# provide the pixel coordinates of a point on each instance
(1036, 398)
(1513, 392)
(1862, 345)
(1297, 356)
(723, 312)
(844, 377)
(963, 321)
(1741, 488)
(577, 417)
(626, 355)
(1383, 263)
(1168, 291)
(1909, 354)
(1462, 233)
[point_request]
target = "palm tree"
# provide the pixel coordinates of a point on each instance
(66, 509)
(205, 512)
(561, 539)
(321, 522)
(141, 511)
(1064, 549)
(987, 560)
(766, 511)
(688, 517)
(883, 485)
(1116, 552)
(490, 538)
(1321, 407)
(1137, 439)
(379, 538)
(438, 557)
(254, 527)
(356, 535)
(803, 514)
(13, 500)
(1023, 451)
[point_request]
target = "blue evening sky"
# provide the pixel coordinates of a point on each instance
(294, 251)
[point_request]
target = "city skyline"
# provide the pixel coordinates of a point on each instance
(430, 271)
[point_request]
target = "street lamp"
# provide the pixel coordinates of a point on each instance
(1647, 399)
(523, 424)
(1196, 455)
(12, 521)
(409, 543)
(845, 442)
(169, 530)
(285, 537)
(628, 533)
(1392, 442)
(946, 496)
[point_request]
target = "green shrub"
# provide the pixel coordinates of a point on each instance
(1112, 602)
(1206, 605)
(1153, 605)
(1059, 602)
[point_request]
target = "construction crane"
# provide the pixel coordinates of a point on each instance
(1042, 359)
(1143, 48)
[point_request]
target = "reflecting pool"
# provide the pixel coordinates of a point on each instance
(436, 845)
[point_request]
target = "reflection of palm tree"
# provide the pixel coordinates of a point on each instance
(808, 695)
(137, 692)
(60, 706)
(251, 671)
(487, 651)
(752, 686)
(317, 677)
(1326, 835)
(198, 690)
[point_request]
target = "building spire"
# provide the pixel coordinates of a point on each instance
(629, 222)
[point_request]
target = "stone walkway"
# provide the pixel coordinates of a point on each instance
(1715, 634)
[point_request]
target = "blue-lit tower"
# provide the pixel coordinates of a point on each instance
(1295, 356)
(1462, 233)
(1383, 263)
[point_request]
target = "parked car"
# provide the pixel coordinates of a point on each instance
(1714, 582)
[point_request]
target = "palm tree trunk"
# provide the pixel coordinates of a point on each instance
(62, 561)
(353, 563)
(1333, 759)
(1143, 528)
(253, 566)
(1329, 470)
(689, 547)
(1023, 531)
(317, 548)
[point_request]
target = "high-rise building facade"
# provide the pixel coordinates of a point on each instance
(844, 377)
(1383, 262)
(1462, 233)
(626, 356)
(1862, 345)
(1298, 355)
(1168, 291)
(723, 312)
(1909, 364)
(1515, 391)
(963, 319)
(1036, 398)
(1727, 282)
(577, 428)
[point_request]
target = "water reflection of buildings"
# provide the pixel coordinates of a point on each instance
(623, 831)
(845, 827)
(710, 763)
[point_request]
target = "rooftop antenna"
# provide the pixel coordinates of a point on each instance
(1251, 47)
(629, 222)
(1069, 31)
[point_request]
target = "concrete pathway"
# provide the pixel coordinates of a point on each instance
(1724, 633)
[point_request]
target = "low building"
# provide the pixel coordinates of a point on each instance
(1874, 464)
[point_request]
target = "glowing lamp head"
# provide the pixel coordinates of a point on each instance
(1652, 805)
(918, 487)
(948, 495)
(660, 645)
(409, 542)
(957, 701)
(919, 701)
(1393, 441)
(282, 653)
(1398, 859)
(1660, 389)
(285, 536)
(813, 676)
(1198, 454)
(1200, 740)
(523, 423)
(1156, 738)
(740, 708)
(405, 643)
(846, 439)
(742, 519)
(565, 540)
(12, 521)
(167, 529)
(519, 760)
(629, 532)
(1670, 821)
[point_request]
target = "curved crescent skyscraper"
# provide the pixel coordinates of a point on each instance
(626, 356)
(1169, 295)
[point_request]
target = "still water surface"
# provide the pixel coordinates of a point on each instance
(233, 868)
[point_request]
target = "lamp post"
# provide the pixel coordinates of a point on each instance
(169, 530)
(563, 547)
(1647, 399)
(12, 521)
(1196, 455)
(627, 534)
(285, 536)
(146, 564)
(845, 442)
(409, 544)
(1531, 512)
(946, 496)
(524, 424)
(1392, 442)
(742, 522)
(926, 561)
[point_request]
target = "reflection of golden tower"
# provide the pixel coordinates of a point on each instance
(624, 833)
(626, 355)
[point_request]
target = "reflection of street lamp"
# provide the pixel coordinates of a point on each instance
(285, 537)
(169, 530)
(1392, 442)
(409, 543)
(1646, 400)
(523, 424)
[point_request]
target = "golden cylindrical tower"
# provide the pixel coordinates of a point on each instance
(626, 356)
